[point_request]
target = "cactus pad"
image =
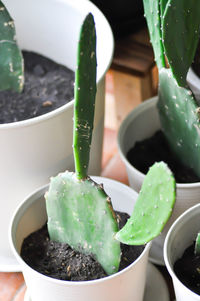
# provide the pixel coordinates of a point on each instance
(197, 245)
(11, 60)
(180, 34)
(179, 116)
(152, 208)
(152, 9)
(80, 213)
(85, 91)
(163, 4)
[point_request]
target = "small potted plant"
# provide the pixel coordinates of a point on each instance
(173, 114)
(80, 213)
(181, 254)
(34, 149)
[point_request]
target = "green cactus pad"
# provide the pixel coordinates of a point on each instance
(163, 4)
(197, 245)
(152, 208)
(80, 214)
(85, 91)
(180, 34)
(151, 9)
(11, 60)
(79, 211)
(179, 116)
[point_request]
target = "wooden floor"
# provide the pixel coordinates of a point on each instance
(12, 286)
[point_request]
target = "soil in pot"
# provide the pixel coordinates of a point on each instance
(187, 269)
(58, 260)
(154, 149)
(47, 86)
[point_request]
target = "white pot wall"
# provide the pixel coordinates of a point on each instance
(142, 123)
(180, 236)
(35, 149)
(127, 284)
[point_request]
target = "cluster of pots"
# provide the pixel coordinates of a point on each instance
(27, 162)
(184, 224)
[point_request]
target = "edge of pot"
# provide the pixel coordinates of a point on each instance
(27, 202)
(167, 243)
(90, 7)
(125, 124)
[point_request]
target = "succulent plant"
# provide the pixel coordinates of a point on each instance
(79, 211)
(174, 28)
(152, 208)
(11, 60)
(197, 245)
(85, 92)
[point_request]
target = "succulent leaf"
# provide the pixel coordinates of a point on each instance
(80, 214)
(152, 208)
(179, 116)
(197, 245)
(79, 211)
(11, 60)
(152, 13)
(85, 91)
(180, 35)
(163, 4)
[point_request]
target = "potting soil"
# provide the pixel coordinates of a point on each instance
(60, 261)
(187, 269)
(48, 86)
(155, 149)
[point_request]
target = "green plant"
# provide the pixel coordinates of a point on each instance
(11, 60)
(79, 211)
(197, 245)
(174, 27)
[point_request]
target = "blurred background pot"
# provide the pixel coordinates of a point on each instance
(181, 235)
(34, 149)
(127, 284)
(142, 123)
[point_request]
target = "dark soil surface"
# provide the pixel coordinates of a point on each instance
(58, 260)
(155, 149)
(48, 86)
(187, 269)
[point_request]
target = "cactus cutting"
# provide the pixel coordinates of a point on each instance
(11, 60)
(177, 107)
(152, 208)
(79, 211)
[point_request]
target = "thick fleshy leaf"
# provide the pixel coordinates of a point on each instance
(11, 60)
(85, 92)
(180, 35)
(80, 214)
(152, 208)
(179, 116)
(152, 13)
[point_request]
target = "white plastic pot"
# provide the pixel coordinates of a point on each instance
(180, 236)
(142, 123)
(127, 284)
(35, 149)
